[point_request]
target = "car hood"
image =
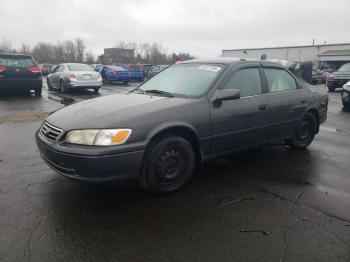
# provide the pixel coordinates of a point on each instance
(112, 111)
(336, 74)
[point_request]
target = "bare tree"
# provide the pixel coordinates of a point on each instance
(25, 49)
(6, 46)
(69, 51)
(90, 57)
(79, 49)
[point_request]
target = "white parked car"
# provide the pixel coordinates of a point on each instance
(345, 95)
(74, 76)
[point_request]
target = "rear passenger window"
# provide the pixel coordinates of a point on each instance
(279, 80)
(247, 80)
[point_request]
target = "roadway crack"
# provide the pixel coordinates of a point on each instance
(313, 209)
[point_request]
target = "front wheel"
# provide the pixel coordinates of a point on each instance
(331, 89)
(49, 86)
(168, 165)
(38, 91)
(305, 132)
(96, 89)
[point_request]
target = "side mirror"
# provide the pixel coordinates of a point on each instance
(226, 94)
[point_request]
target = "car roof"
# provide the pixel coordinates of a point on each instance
(19, 56)
(234, 60)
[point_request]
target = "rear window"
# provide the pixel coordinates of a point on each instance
(135, 68)
(79, 67)
(16, 62)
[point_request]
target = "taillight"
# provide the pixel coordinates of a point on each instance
(2, 68)
(71, 76)
(34, 69)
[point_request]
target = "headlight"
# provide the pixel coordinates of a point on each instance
(346, 87)
(103, 137)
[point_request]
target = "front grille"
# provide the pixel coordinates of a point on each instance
(50, 132)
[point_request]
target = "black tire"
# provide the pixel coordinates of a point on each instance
(126, 82)
(331, 89)
(346, 106)
(96, 89)
(305, 133)
(38, 91)
(63, 88)
(49, 86)
(168, 165)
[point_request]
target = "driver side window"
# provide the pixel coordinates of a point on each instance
(247, 80)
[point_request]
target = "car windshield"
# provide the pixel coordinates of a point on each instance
(190, 79)
(16, 62)
(117, 68)
(344, 68)
(79, 67)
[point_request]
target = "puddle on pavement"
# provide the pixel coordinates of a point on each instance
(64, 100)
(23, 116)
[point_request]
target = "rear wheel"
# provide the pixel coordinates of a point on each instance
(38, 91)
(168, 165)
(63, 88)
(96, 89)
(305, 132)
(346, 105)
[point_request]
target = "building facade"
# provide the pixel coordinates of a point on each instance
(117, 55)
(332, 54)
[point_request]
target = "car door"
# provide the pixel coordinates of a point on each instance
(55, 76)
(243, 122)
(286, 100)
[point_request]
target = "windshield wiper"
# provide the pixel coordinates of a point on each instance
(137, 89)
(160, 92)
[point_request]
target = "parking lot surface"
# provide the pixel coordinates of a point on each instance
(272, 204)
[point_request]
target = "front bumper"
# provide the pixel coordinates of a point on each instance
(94, 168)
(345, 97)
(336, 83)
(119, 79)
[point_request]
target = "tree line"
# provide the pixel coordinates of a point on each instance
(75, 51)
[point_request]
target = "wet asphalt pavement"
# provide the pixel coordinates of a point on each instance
(272, 204)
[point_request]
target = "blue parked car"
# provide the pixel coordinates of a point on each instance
(114, 74)
(135, 72)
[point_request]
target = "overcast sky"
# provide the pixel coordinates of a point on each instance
(202, 28)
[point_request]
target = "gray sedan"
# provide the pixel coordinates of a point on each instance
(74, 76)
(163, 130)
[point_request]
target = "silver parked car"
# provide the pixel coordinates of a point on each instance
(74, 76)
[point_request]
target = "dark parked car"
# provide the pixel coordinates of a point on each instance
(193, 111)
(45, 69)
(317, 76)
(339, 78)
(20, 72)
(114, 74)
(65, 77)
(135, 72)
(155, 70)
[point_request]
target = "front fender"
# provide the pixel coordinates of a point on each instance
(168, 125)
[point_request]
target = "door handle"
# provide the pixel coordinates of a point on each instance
(302, 101)
(263, 107)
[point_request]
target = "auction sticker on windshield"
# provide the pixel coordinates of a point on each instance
(210, 68)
